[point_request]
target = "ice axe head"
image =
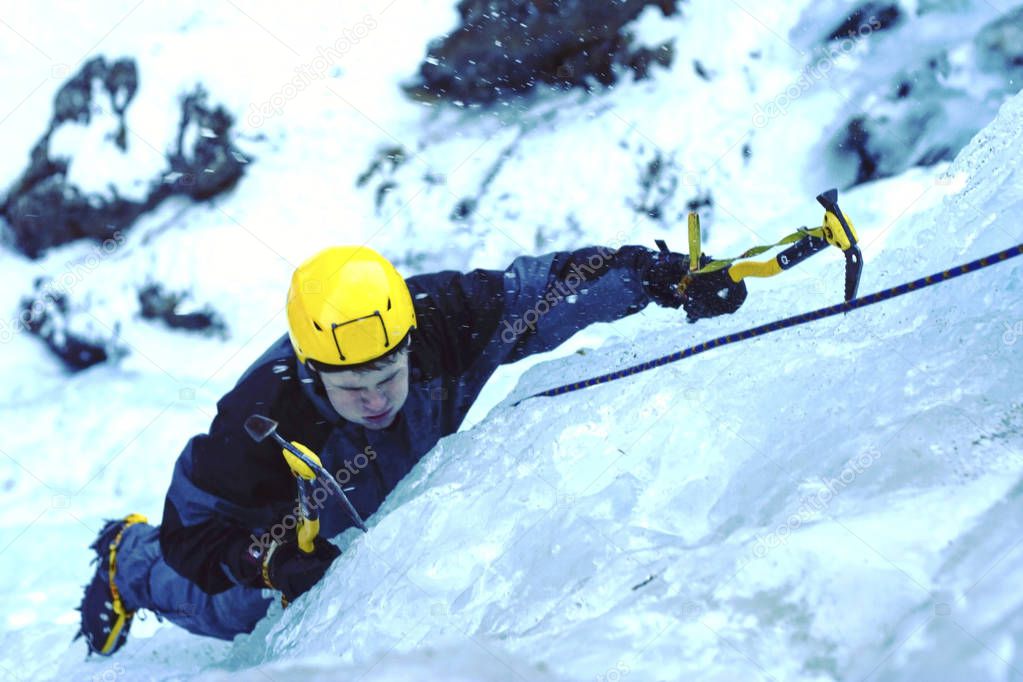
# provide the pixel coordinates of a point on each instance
(297, 455)
(260, 427)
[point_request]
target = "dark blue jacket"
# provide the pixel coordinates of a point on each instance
(227, 489)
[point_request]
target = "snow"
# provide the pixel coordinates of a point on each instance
(836, 501)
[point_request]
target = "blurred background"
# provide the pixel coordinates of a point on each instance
(165, 168)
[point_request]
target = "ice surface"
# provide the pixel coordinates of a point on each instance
(837, 501)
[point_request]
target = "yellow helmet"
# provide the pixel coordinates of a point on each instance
(347, 305)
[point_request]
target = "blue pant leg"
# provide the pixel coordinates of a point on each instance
(145, 581)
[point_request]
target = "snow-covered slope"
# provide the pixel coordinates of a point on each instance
(836, 501)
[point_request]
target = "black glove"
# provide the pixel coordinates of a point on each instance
(661, 274)
(293, 572)
(712, 294)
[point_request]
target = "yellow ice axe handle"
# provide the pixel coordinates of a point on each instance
(808, 245)
(766, 268)
(308, 528)
(307, 532)
(297, 466)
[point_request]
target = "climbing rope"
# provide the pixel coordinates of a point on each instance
(793, 321)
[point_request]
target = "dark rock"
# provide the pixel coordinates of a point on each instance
(466, 206)
(868, 18)
(936, 155)
(1000, 46)
(857, 141)
(882, 144)
(641, 60)
(53, 212)
(385, 163)
(383, 189)
(157, 304)
(383, 168)
(43, 209)
(463, 209)
(919, 118)
(48, 315)
(212, 164)
(508, 46)
(119, 80)
(658, 181)
(914, 134)
(701, 201)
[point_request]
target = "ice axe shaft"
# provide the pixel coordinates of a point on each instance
(309, 525)
(323, 474)
(260, 428)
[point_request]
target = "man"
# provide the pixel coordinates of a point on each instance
(374, 370)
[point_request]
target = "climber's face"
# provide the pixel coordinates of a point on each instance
(372, 398)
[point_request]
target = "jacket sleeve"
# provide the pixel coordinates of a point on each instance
(477, 321)
(225, 491)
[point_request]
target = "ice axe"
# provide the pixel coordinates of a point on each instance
(305, 464)
(835, 230)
